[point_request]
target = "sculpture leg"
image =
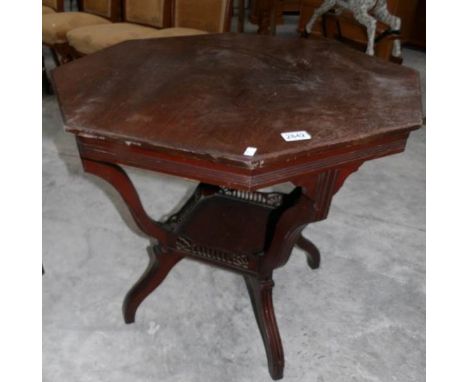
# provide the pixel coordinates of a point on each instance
(381, 13)
(158, 268)
(370, 23)
(324, 8)
(260, 292)
(312, 252)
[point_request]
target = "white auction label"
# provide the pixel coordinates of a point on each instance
(291, 136)
(250, 151)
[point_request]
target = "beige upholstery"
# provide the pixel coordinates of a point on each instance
(50, 3)
(90, 39)
(178, 32)
(147, 12)
(46, 10)
(207, 15)
(56, 25)
(192, 17)
(98, 7)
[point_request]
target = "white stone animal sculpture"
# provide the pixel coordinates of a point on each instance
(361, 10)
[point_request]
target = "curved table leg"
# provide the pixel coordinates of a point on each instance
(260, 292)
(117, 177)
(160, 265)
(312, 252)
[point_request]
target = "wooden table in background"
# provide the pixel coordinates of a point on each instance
(191, 106)
(268, 13)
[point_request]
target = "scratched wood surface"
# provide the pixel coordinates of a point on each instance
(212, 96)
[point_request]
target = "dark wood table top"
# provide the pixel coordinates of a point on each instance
(208, 98)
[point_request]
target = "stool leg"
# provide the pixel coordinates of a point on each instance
(46, 86)
(260, 292)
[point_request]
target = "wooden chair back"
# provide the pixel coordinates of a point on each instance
(209, 15)
(57, 5)
(110, 9)
(153, 13)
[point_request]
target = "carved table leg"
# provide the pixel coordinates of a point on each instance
(161, 262)
(312, 252)
(184, 234)
(260, 292)
(160, 265)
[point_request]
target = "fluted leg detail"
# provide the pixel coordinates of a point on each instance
(260, 292)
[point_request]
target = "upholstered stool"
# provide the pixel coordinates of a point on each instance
(87, 40)
(46, 10)
(52, 6)
(143, 18)
(56, 25)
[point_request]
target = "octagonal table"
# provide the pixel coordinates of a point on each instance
(237, 113)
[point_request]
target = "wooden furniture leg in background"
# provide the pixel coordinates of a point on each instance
(273, 11)
(241, 16)
(266, 14)
(46, 86)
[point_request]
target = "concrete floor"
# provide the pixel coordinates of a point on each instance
(359, 318)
